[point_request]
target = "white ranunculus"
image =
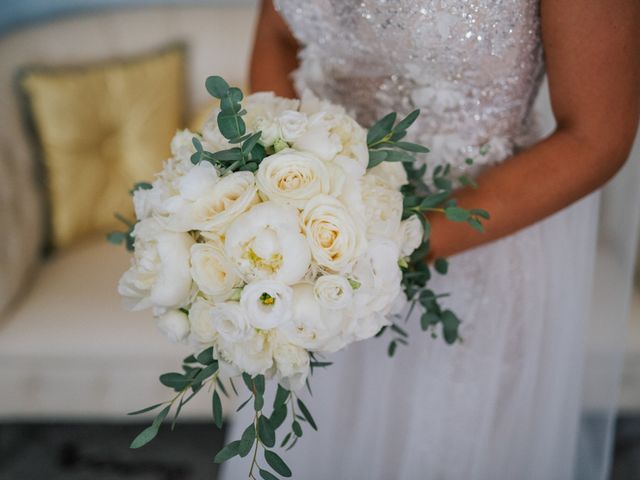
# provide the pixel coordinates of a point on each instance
(215, 208)
(266, 303)
(292, 177)
(230, 321)
(333, 292)
(393, 173)
(174, 324)
(159, 275)
(313, 327)
(212, 271)
(292, 125)
(265, 242)
(335, 238)
(318, 139)
(253, 355)
(201, 321)
(292, 363)
(411, 234)
(383, 207)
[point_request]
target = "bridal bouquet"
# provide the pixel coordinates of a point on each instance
(281, 233)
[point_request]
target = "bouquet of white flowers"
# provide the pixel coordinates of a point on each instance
(281, 233)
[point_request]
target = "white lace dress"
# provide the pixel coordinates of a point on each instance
(505, 403)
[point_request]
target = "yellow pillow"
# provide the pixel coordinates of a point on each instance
(100, 129)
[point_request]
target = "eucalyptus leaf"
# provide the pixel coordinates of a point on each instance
(216, 86)
(266, 475)
(266, 431)
(228, 452)
(247, 440)
(307, 414)
(275, 462)
(216, 406)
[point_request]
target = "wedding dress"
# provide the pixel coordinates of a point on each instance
(504, 404)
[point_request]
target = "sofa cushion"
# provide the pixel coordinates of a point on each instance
(98, 130)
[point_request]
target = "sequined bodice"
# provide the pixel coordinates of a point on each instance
(472, 66)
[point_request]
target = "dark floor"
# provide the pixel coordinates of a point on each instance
(52, 451)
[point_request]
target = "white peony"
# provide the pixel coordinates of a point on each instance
(292, 125)
(201, 321)
(252, 355)
(267, 303)
(174, 324)
(383, 207)
(215, 208)
(159, 275)
(318, 139)
(292, 364)
(411, 234)
(230, 322)
(333, 292)
(379, 276)
(392, 173)
(335, 238)
(292, 177)
(263, 110)
(266, 242)
(212, 271)
(182, 146)
(313, 327)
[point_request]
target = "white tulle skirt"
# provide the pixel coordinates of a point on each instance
(504, 404)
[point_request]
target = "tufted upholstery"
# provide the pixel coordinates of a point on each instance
(218, 40)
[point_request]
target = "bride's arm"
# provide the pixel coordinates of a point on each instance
(274, 54)
(592, 50)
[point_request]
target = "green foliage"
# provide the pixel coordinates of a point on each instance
(275, 462)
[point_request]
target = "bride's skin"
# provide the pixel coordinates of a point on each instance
(592, 52)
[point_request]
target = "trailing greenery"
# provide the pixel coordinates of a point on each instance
(422, 196)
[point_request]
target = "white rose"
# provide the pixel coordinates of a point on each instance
(266, 242)
(292, 125)
(230, 322)
(411, 233)
(383, 207)
(313, 327)
(335, 238)
(318, 139)
(253, 355)
(174, 325)
(215, 208)
(159, 275)
(292, 363)
(201, 321)
(393, 173)
(212, 271)
(292, 177)
(333, 292)
(266, 303)
(269, 128)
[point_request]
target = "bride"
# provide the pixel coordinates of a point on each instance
(504, 404)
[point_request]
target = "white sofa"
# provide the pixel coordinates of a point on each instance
(66, 345)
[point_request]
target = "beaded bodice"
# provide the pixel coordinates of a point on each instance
(472, 66)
